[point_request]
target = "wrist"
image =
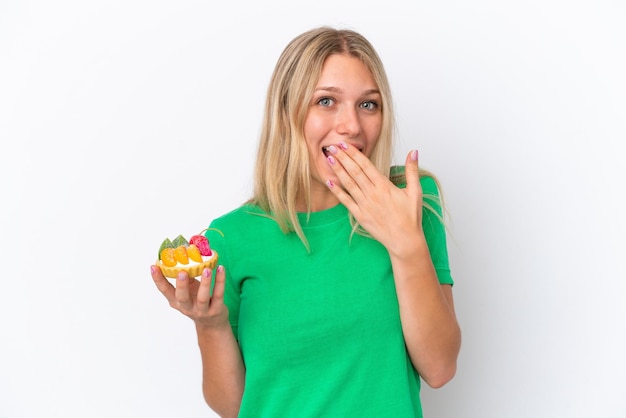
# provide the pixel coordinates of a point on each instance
(212, 330)
(408, 247)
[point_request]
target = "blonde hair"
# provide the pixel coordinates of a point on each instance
(282, 172)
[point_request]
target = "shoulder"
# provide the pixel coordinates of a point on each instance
(246, 221)
(238, 214)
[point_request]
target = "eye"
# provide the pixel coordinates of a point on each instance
(369, 105)
(325, 101)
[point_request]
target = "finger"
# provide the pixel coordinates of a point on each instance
(182, 287)
(204, 290)
(164, 286)
(346, 199)
(218, 290)
(348, 183)
(412, 173)
(356, 165)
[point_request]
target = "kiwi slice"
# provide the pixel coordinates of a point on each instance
(180, 240)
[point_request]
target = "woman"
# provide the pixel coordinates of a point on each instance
(333, 295)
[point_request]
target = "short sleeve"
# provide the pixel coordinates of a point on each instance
(432, 222)
(434, 229)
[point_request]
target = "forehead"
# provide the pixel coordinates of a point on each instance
(342, 68)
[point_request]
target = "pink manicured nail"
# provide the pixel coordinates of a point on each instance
(333, 149)
(181, 277)
(414, 155)
(152, 270)
(330, 184)
(343, 145)
(220, 268)
(331, 159)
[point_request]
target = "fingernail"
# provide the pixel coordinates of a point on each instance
(414, 155)
(220, 268)
(331, 159)
(343, 145)
(206, 272)
(330, 184)
(152, 270)
(333, 149)
(181, 277)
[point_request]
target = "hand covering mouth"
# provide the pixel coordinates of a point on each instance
(326, 150)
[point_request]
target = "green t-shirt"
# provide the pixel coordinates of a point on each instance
(319, 331)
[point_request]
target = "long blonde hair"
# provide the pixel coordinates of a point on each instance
(282, 172)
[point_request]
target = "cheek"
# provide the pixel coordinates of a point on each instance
(311, 130)
(315, 127)
(372, 129)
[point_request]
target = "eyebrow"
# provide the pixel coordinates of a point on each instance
(338, 90)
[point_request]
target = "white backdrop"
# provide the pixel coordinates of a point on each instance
(124, 122)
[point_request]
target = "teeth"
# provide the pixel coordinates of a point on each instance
(327, 152)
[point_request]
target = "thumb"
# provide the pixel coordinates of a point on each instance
(412, 172)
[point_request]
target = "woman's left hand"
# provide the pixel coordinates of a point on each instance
(386, 211)
(393, 216)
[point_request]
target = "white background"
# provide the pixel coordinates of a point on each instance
(125, 122)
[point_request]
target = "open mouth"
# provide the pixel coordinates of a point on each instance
(326, 150)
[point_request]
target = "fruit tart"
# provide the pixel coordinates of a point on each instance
(193, 256)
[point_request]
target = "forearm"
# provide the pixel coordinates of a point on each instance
(429, 324)
(222, 370)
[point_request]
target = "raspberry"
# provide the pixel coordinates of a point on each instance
(202, 243)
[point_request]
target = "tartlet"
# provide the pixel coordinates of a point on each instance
(192, 256)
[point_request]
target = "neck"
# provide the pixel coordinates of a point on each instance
(321, 199)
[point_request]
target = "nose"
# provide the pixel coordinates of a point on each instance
(348, 122)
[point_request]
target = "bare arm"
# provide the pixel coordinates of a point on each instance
(429, 324)
(222, 366)
(393, 217)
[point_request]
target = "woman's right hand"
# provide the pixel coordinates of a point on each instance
(193, 298)
(223, 372)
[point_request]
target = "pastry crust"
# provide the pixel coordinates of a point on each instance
(194, 270)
